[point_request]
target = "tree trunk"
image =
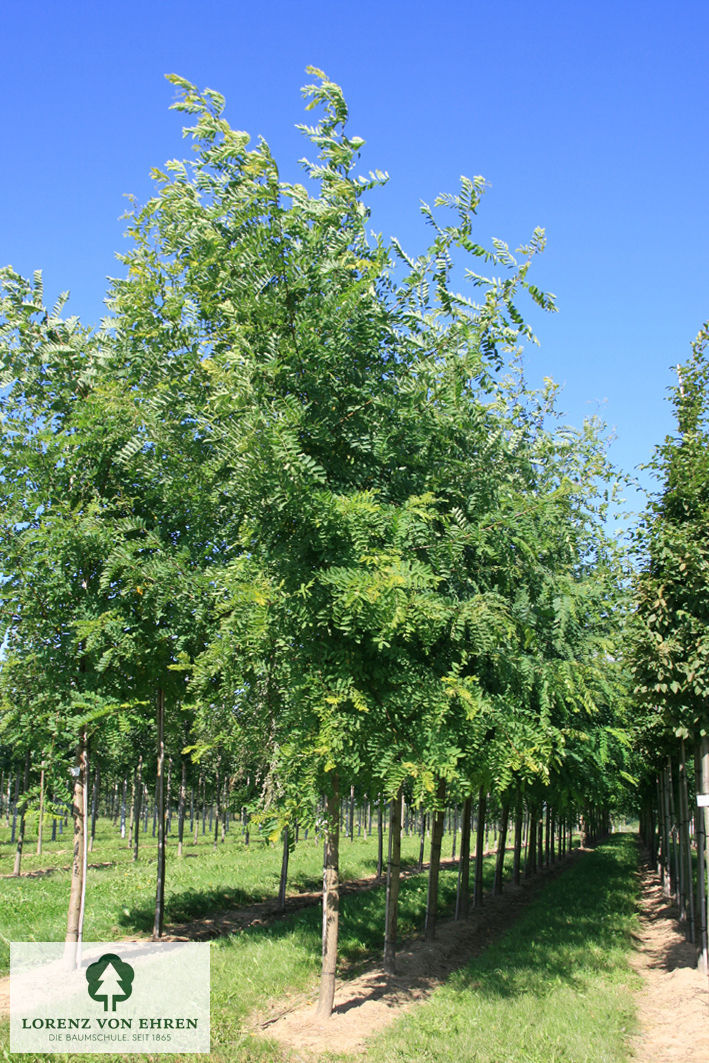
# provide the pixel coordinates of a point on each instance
(284, 872)
(160, 811)
(480, 848)
(138, 798)
(393, 879)
(704, 788)
(462, 895)
(23, 813)
(422, 844)
(436, 842)
(676, 867)
(517, 857)
(40, 822)
(330, 903)
(380, 838)
(501, 843)
(702, 940)
(531, 862)
(94, 806)
(75, 918)
(684, 837)
(181, 805)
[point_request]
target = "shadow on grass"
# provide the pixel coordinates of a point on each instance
(580, 924)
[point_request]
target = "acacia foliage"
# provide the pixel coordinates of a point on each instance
(308, 484)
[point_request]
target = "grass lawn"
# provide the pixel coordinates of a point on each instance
(553, 989)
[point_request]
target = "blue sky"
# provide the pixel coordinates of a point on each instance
(588, 120)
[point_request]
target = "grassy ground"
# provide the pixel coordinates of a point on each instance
(120, 898)
(555, 989)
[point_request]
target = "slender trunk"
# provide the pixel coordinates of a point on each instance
(284, 872)
(74, 926)
(160, 810)
(704, 789)
(675, 847)
(436, 842)
(501, 843)
(331, 903)
(138, 799)
(23, 813)
(531, 862)
(380, 838)
(684, 836)
(462, 895)
(702, 941)
(40, 822)
(517, 857)
(168, 812)
(422, 846)
(667, 852)
(94, 806)
(181, 805)
(124, 790)
(540, 838)
(393, 879)
(455, 831)
(480, 848)
(14, 806)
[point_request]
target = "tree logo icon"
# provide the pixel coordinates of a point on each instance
(110, 980)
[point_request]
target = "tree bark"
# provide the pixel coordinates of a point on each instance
(462, 895)
(40, 822)
(433, 872)
(685, 846)
(517, 857)
(74, 927)
(160, 811)
(380, 838)
(331, 902)
(501, 843)
(138, 799)
(702, 940)
(94, 806)
(704, 811)
(480, 848)
(23, 813)
(181, 805)
(284, 872)
(393, 880)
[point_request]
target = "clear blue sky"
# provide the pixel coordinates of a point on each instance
(587, 119)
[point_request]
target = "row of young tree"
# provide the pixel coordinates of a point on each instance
(669, 652)
(292, 514)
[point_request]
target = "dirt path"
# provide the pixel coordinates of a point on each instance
(263, 912)
(369, 1002)
(673, 1005)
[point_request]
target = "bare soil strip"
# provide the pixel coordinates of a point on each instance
(51, 870)
(372, 1000)
(264, 912)
(673, 1005)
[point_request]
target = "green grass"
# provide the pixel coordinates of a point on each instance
(555, 989)
(120, 898)
(259, 965)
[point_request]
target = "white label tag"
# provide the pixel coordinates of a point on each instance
(703, 800)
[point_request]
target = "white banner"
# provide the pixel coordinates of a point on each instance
(109, 997)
